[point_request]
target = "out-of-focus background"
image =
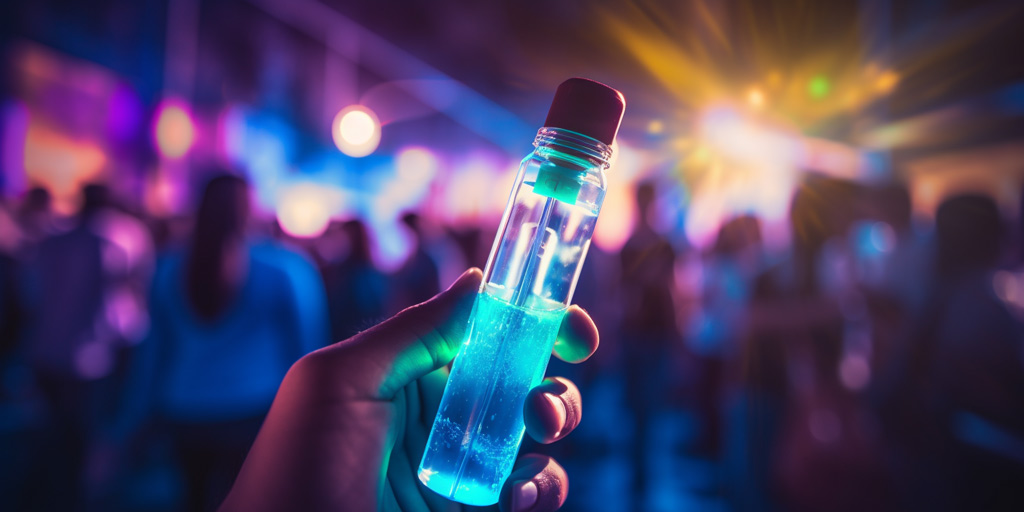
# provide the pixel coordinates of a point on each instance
(808, 273)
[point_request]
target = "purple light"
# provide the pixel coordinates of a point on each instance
(12, 147)
(124, 113)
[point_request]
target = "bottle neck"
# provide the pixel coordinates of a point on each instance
(576, 146)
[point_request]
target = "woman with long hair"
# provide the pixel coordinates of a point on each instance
(229, 317)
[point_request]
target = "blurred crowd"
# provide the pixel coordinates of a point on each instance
(874, 363)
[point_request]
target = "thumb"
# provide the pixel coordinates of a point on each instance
(415, 342)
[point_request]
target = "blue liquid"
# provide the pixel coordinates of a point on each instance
(479, 424)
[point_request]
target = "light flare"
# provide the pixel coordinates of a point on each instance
(356, 131)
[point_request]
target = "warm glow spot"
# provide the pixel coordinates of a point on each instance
(174, 130)
(61, 164)
(465, 193)
(655, 127)
(356, 131)
(755, 98)
(851, 99)
(416, 164)
(887, 81)
(357, 127)
(615, 223)
(304, 211)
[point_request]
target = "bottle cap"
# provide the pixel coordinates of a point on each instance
(587, 107)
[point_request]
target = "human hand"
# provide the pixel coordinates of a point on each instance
(350, 421)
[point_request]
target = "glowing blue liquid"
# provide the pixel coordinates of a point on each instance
(479, 424)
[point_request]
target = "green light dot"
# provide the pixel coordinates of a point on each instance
(818, 87)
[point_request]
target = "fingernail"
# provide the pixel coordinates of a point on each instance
(559, 410)
(462, 277)
(524, 496)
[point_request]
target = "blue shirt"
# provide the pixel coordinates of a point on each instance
(229, 367)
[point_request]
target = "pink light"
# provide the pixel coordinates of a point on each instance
(231, 134)
(478, 188)
(124, 113)
(615, 223)
(174, 131)
(465, 198)
(855, 372)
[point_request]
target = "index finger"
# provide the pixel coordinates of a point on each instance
(577, 336)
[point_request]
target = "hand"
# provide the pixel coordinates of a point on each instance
(350, 421)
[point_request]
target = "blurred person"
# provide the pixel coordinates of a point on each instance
(350, 422)
(597, 293)
(650, 331)
(11, 316)
(897, 290)
(1016, 236)
(229, 317)
(472, 243)
(329, 248)
(715, 334)
(954, 405)
(36, 217)
(128, 257)
(418, 278)
(16, 425)
(358, 292)
(801, 440)
(84, 289)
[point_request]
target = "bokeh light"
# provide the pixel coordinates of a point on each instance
(855, 372)
(174, 131)
(755, 98)
(61, 164)
(818, 87)
(618, 214)
(471, 192)
(738, 164)
(13, 132)
(887, 81)
(876, 113)
(304, 210)
(416, 164)
(356, 131)
(883, 238)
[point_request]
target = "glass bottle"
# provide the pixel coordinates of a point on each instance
(528, 283)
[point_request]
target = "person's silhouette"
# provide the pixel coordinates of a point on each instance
(229, 317)
(417, 280)
(357, 291)
(647, 263)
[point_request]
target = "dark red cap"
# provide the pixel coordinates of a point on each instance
(587, 107)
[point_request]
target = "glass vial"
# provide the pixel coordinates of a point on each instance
(528, 283)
